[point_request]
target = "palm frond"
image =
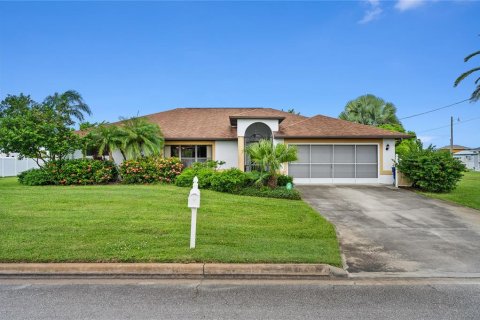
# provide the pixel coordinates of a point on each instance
(471, 55)
(464, 75)
(475, 95)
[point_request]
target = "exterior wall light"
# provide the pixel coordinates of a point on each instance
(387, 147)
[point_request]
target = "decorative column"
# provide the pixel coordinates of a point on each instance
(241, 153)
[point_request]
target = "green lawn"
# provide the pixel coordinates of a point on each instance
(467, 192)
(150, 223)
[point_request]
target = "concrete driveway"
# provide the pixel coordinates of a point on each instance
(387, 230)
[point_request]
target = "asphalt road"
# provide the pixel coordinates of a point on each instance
(136, 299)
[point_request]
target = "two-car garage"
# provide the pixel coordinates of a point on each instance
(336, 163)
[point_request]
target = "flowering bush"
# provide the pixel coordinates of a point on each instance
(70, 172)
(150, 170)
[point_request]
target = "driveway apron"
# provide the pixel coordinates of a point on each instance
(387, 230)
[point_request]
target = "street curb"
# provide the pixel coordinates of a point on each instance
(170, 270)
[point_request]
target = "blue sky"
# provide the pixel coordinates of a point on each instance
(127, 58)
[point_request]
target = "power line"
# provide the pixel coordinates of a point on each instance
(455, 124)
(433, 110)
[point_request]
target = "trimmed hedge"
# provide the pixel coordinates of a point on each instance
(71, 172)
(280, 193)
(431, 170)
(231, 180)
(150, 170)
(236, 182)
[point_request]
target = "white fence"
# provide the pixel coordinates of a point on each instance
(10, 167)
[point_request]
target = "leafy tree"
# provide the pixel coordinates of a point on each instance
(142, 138)
(370, 110)
(292, 111)
(476, 93)
(404, 146)
(270, 158)
(88, 125)
(106, 137)
(37, 131)
(69, 104)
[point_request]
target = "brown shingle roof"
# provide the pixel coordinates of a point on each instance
(325, 127)
(210, 123)
(455, 146)
(215, 124)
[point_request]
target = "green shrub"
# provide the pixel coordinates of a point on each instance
(431, 170)
(35, 177)
(255, 178)
(150, 170)
(231, 180)
(71, 172)
(209, 164)
(82, 171)
(204, 175)
(283, 180)
(279, 192)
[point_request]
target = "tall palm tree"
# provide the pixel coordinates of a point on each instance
(70, 104)
(142, 138)
(476, 93)
(107, 137)
(270, 158)
(371, 110)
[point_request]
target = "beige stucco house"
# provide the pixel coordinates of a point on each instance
(330, 150)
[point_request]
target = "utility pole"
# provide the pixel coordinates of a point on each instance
(451, 135)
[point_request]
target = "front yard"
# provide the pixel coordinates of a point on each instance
(467, 192)
(151, 223)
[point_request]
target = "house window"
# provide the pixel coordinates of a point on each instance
(189, 154)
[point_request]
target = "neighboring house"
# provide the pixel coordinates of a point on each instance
(330, 150)
(470, 158)
(456, 148)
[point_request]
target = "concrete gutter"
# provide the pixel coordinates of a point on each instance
(170, 270)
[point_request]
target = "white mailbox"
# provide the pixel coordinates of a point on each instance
(194, 204)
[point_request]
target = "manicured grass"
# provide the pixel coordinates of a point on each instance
(151, 223)
(467, 192)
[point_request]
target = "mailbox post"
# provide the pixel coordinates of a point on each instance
(194, 204)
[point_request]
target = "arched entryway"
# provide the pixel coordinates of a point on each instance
(254, 133)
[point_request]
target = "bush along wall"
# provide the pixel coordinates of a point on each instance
(150, 170)
(431, 170)
(71, 172)
(236, 182)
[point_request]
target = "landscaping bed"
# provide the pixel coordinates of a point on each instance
(151, 223)
(467, 193)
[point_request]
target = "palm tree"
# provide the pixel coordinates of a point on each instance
(476, 93)
(142, 138)
(70, 104)
(270, 158)
(370, 110)
(107, 137)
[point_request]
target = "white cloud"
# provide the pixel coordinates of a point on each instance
(404, 5)
(373, 12)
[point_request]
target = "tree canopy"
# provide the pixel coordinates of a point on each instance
(370, 110)
(41, 131)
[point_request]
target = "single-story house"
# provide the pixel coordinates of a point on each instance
(330, 150)
(455, 148)
(470, 158)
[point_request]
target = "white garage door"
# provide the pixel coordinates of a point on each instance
(335, 163)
